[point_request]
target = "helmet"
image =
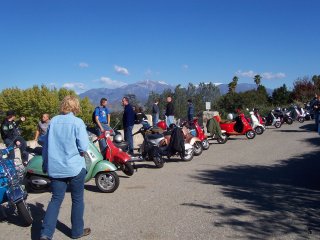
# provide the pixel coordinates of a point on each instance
(118, 138)
(284, 109)
(230, 116)
(162, 124)
(278, 109)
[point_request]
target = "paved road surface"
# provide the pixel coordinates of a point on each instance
(266, 188)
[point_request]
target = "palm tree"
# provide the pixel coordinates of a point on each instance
(233, 85)
(257, 79)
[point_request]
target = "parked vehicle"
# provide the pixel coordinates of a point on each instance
(272, 120)
(214, 130)
(284, 115)
(104, 172)
(167, 146)
(298, 115)
(191, 139)
(199, 132)
(256, 125)
(238, 127)
(115, 155)
(11, 189)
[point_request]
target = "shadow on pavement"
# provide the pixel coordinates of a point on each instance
(270, 201)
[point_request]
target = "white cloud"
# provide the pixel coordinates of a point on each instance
(264, 75)
(111, 83)
(76, 86)
(121, 70)
(83, 65)
(185, 66)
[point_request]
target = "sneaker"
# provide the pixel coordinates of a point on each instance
(86, 232)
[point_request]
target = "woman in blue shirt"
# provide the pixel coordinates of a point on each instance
(64, 145)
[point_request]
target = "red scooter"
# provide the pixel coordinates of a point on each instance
(199, 132)
(121, 159)
(238, 127)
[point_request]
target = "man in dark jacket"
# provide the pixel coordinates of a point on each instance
(190, 110)
(169, 111)
(128, 122)
(11, 136)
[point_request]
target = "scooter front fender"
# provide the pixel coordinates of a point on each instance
(187, 146)
(35, 166)
(103, 166)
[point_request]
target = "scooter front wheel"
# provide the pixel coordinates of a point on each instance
(301, 119)
(277, 124)
(24, 212)
(107, 182)
(223, 139)
(127, 168)
(197, 148)
(250, 134)
(188, 155)
(158, 161)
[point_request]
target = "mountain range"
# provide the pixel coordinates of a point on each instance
(142, 90)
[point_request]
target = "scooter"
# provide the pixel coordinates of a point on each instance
(106, 179)
(115, 155)
(284, 116)
(238, 127)
(199, 132)
(300, 116)
(11, 189)
(164, 142)
(256, 125)
(193, 140)
(272, 120)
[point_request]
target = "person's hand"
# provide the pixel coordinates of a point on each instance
(22, 119)
(18, 143)
(82, 154)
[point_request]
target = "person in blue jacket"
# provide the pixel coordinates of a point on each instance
(63, 150)
(128, 120)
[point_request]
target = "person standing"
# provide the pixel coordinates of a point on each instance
(316, 109)
(128, 120)
(155, 112)
(169, 112)
(102, 121)
(190, 110)
(11, 136)
(63, 150)
(42, 126)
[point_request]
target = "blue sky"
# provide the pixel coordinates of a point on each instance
(83, 44)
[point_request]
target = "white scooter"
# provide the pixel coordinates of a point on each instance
(256, 125)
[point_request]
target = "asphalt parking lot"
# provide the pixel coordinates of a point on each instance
(265, 188)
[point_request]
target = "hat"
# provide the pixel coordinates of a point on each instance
(11, 113)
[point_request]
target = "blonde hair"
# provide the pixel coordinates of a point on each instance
(70, 104)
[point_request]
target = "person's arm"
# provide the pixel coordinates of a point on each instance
(37, 135)
(82, 138)
(97, 111)
(109, 119)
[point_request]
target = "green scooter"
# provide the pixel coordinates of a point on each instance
(107, 180)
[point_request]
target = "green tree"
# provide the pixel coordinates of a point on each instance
(303, 89)
(233, 85)
(281, 96)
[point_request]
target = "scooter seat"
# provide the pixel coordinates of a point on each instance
(154, 136)
(122, 145)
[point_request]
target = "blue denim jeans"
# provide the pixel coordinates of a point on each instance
(59, 187)
(155, 119)
(170, 120)
(128, 137)
(102, 142)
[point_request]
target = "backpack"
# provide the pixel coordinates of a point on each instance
(94, 115)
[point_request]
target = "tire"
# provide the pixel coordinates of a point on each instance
(205, 144)
(277, 124)
(24, 212)
(307, 117)
(259, 130)
(107, 182)
(289, 121)
(158, 161)
(197, 146)
(251, 134)
(127, 168)
(187, 156)
(36, 188)
(223, 139)
(301, 119)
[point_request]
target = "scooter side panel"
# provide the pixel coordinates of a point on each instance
(35, 166)
(102, 166)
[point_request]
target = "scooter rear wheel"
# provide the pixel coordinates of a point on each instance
(277, 124)
(188, 155)
(301, 119)
(107, 182)
(223, 139)
(289, 121)
(158, 161)
(259, 130)
(24, 212)
(205, 144)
